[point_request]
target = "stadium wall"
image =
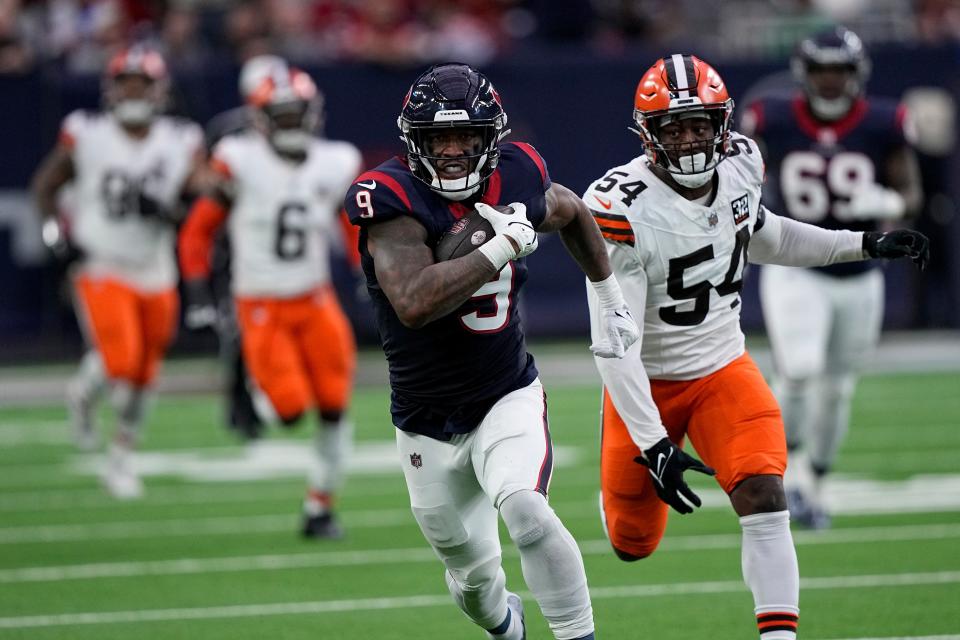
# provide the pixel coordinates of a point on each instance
(574, 106)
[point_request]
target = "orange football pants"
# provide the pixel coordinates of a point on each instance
(300, 351)
(734, 423)
(130, 329)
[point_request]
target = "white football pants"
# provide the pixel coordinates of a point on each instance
(821, 329)
(456, 489)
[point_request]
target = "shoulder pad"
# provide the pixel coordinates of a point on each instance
(606, 200)
(746, 154)
(526, 155)
(377, 196)
(74, 125)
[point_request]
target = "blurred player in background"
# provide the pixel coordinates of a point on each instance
(241, 412)
(470, 412)
(678, 222)
(838, 160)
(130, 166)
(278, 189)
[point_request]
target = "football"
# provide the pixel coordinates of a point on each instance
(465, 235)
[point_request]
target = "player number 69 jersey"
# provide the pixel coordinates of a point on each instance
(682, 262)
(284, 213)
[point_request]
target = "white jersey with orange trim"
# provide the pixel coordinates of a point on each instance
(115, 175)
(687, 258)
(284, 213)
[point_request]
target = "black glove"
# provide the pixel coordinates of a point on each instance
(58, 242)
(151, 207)
(900, 243)
(666, 463)
(200, 312)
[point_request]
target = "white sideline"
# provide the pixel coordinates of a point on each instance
(274, 562)
(375, 604)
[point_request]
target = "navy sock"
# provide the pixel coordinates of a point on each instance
(503, 626)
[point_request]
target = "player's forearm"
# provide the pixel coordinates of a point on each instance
(46, 202)
(796, 244)
(626, 381)
(584, 243)
(437, 290)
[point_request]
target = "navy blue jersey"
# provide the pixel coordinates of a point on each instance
(813, 167)
(446, 375)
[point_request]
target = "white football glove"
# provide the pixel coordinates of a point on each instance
(618, 329)
(876, 202)
(508, 226)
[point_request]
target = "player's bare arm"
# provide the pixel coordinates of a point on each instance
(199, 179)
(568, 215)
(903, 176)
(55, 171)
(420, 290)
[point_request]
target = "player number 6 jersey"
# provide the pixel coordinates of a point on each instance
(283, 213)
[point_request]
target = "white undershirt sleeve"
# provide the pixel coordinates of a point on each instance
(796, 244)
(625, 378)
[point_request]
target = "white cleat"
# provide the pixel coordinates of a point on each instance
(518, 626)
(83, 426)
(120, 478)
(516, 606)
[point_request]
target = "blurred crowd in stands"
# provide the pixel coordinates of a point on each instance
(78, 35)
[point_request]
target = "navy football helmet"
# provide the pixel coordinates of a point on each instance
(455, 99)
(840, 51)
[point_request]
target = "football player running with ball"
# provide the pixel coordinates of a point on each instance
(678, 221)
(470, 412)
(129, 165)
(838, 160)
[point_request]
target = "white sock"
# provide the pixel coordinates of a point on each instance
(90, 378)
(830, 428)
(514, 630)
(130, 404)
(551, 563)
(769, 562)
(331, 448)
(482, 594)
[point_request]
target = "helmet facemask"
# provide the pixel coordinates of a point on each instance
(289, 126)
(690, 164)
(446, 98)
(831, 107)
(838, 53)
(135, 99)
(431, 165)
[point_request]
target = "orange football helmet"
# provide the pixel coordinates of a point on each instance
(288, 108)
(137, 104)
(674, 88)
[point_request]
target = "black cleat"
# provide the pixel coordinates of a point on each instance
(323, 526)
(805, 513)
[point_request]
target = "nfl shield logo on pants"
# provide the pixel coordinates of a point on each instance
(416, 460)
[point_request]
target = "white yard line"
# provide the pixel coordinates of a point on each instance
(380, 604)
(274, 562)
(953, 637)
(228, 525)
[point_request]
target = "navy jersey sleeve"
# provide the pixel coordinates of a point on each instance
(751, 122)
(526, 179)
(376, 196)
